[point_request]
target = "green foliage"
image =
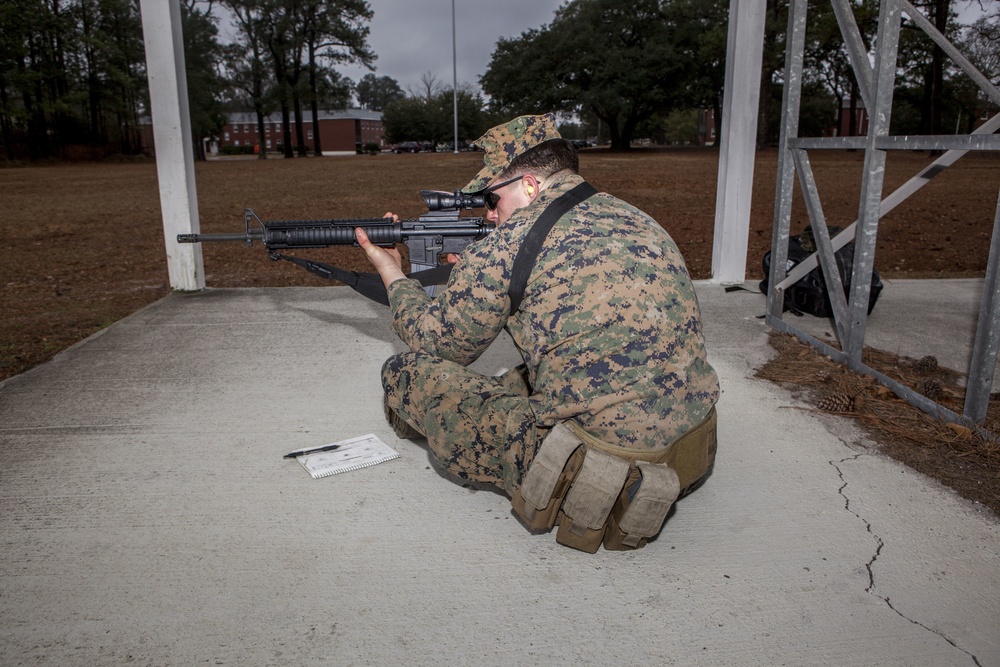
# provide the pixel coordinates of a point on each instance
(432, 118)
(701, 34)
(377, 92)
(615, 59)
(249, 81)
(201, 53)
(300, 42)
(980, 42)
(681, 127)
(571, 131)
(73, 81)
(71, 74)
(245, 149)
(818, 111)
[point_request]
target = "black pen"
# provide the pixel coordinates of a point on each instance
(327, 448)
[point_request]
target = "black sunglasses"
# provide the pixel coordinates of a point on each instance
(492, 198)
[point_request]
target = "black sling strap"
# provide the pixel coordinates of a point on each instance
(367, 284)
(524, 261)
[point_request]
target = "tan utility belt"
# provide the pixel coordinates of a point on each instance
(598, 493)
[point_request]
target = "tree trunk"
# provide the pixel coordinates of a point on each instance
(300, 136)
(614, 133)
(5, 124)
(262, 153)
(717, 120)
(286, 129)
(314, 102)
(852, 111)
(941, 8)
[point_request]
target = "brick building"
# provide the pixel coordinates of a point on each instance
(341, 132)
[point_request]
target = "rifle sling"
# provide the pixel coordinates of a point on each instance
(366, 284)
(524, 261)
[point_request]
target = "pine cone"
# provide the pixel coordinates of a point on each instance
(931, 388)
(836, 402)
(926, 364)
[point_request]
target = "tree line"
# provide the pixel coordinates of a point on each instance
(73, 79)
(634, 68)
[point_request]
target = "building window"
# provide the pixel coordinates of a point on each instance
(267, 128)
(246, 128)
(268, 144)
(227, 135)
(309, 134)
(236, 143)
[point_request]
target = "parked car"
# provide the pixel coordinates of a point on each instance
(406, 147)
(449, 146)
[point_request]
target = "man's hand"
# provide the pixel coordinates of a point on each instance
(387, 261)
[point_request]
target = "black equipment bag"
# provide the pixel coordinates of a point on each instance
(809, 295)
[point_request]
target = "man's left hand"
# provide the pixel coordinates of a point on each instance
(387, 261)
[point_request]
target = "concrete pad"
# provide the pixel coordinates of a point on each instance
(147, 516)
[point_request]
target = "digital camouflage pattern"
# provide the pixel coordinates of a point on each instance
(609, 330)
(505, 142)
(479, 428)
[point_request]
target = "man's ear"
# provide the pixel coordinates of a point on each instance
(531, 185)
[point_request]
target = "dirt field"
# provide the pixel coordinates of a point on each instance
(84, 244)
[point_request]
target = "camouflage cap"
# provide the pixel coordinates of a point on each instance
(505, 142)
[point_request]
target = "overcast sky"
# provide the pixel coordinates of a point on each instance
(414, 37)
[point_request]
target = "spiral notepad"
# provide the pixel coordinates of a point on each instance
(352, 454)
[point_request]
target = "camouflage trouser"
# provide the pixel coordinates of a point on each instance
(480, 428)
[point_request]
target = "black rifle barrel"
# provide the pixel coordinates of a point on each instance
(199, 238)
(322, 233)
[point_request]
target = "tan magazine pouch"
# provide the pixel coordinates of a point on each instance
(590, 499)
(548, 478)
(639, 513)
(599, 493)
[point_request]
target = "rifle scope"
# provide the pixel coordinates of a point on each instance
(451, 201)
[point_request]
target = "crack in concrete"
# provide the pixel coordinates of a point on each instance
(879, 544)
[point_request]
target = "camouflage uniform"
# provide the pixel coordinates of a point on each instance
(609, 330)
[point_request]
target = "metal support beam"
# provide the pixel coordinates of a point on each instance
(161, 28)
(984, 350)
(784, 189)
(738, 141)
(874, 173)
(856, 51)
(850, 315)
(898, 196)
(821, 235)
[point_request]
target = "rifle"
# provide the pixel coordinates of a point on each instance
(429, 238)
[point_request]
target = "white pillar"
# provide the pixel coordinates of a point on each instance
(161, 28)
(744, 54)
